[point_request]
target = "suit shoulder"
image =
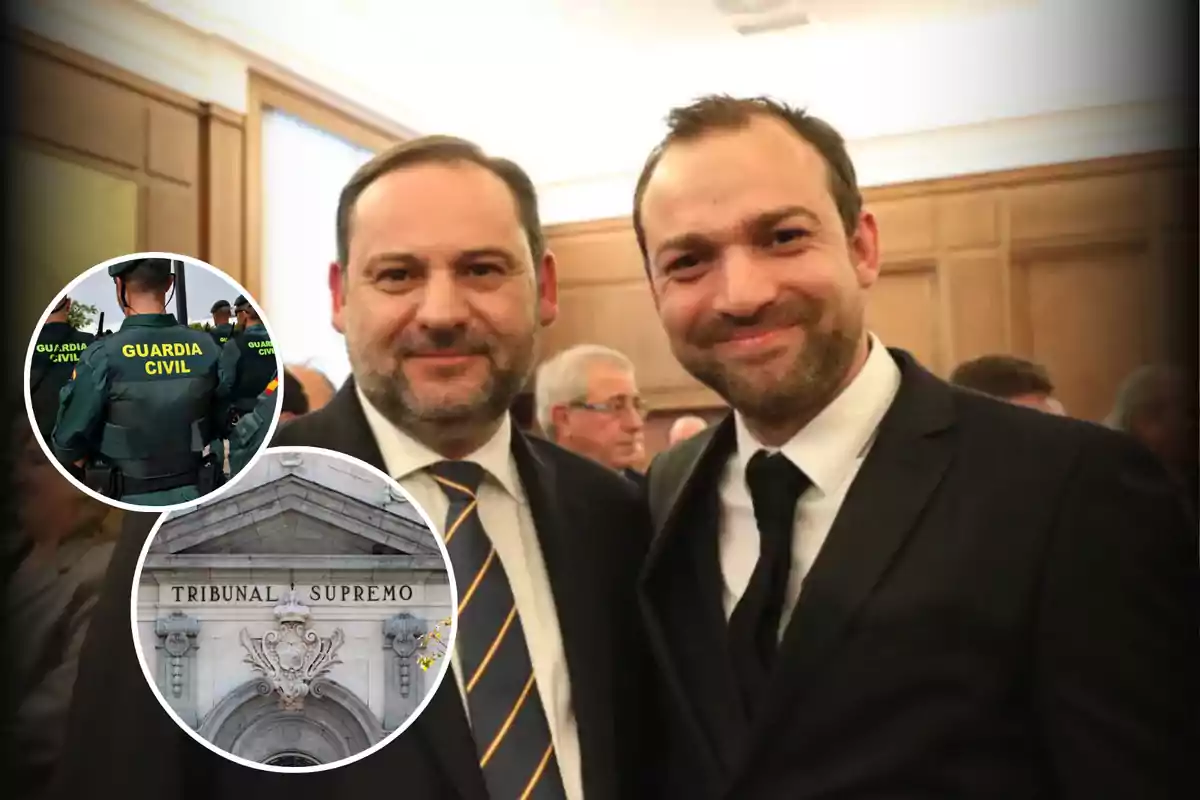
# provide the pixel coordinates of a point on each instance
(1041, 441)
(683, 453)
(592, 477)
(306, 430)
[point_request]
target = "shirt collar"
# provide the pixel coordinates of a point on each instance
(148, 321)
(403, 455)
(827, 447)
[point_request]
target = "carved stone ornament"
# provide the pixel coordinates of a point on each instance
(292, 657)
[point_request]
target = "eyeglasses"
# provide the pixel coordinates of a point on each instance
(614, 405)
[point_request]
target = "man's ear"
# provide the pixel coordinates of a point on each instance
(558, 419)
(337, 294)
(864, 250)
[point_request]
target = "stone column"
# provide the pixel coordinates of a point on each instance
(405, 680)
(176, 663)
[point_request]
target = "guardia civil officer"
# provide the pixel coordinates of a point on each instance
(223, 327)
(247, 364)
(134, 419)
(240, 306)
(250, 432)
(59, 345)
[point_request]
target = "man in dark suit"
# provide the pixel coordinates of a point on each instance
(441, 284)
(865, 583)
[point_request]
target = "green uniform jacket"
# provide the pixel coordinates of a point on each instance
(222, 333)
(143, 399)
(58, 349)
(247, 365)
(250, 432)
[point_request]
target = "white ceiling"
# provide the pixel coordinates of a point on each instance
(577, 89)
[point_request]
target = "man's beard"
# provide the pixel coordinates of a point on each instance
(805, 386)
(421, 411)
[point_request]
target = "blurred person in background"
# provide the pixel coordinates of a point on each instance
(587, 400)
(1156, 405)
(317, 388)
(66, 539)
(1016, 380)
(685, 427)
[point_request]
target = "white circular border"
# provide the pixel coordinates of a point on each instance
(37, 434)
(437, 680)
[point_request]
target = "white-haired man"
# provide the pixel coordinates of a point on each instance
(587, 401)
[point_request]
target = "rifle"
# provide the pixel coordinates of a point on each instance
(100, 326)
(180, 292)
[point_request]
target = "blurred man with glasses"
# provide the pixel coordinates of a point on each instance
(587, 401)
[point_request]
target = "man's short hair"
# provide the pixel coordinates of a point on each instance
(1143, 388)
(563, 379)
(295, 399)
(1003, 376)
(148, 275)
(721, 112)
(440, 150)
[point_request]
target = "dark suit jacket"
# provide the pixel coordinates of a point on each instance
(1007, 606)
(593, 532)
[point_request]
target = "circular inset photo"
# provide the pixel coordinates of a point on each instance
(301, 620)
(152, 381)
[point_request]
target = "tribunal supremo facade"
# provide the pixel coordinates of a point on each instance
(283, 622)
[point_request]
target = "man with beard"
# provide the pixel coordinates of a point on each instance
(441, 284)
(865, 582)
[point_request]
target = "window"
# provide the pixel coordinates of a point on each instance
(303, 169)
(300, 152)
(291, 760)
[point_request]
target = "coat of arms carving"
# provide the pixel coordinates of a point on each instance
(292, 657)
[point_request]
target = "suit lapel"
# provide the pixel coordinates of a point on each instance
(681, 598)
(906, 464)
(341, 426)
(345, 428)
(588, 640)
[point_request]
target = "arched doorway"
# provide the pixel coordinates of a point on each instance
(333, 725)
(292, 760)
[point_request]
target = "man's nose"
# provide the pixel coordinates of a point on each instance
(746, 285)
(442, 303)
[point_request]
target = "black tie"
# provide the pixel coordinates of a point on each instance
(508, 722)
(775, 485)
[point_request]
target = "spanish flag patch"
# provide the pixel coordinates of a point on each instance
(272, 386)
(73, 374)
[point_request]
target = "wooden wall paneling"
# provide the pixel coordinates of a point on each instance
(85, 111)
(604, 299)
(223, 190)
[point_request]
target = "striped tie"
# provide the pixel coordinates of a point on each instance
(511, 734)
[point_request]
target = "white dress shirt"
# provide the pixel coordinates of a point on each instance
(508, 521)
(829, 450)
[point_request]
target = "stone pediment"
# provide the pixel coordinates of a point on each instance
(293, 516)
